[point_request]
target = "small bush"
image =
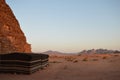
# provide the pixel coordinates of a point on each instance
(85, 59)
(116, 55)
(75, 61)
(70, 59)
(55, 62)
(95, 60)
(105, 57)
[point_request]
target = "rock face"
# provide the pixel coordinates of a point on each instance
(12, 39)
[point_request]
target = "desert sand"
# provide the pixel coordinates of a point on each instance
(83, 67)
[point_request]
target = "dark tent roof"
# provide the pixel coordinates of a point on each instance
(23, 56)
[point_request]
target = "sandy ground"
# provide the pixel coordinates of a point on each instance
(83, 67)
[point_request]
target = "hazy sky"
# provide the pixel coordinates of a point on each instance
(69, 25)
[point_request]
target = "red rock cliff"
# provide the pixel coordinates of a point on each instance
(12, 39)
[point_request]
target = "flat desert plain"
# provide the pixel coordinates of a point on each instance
(74, 67)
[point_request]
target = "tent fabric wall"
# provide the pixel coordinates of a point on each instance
(25, 63)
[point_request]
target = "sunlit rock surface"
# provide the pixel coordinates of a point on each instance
(12, 39)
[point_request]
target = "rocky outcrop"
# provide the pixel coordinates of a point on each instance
(99, 51)
(12, 39)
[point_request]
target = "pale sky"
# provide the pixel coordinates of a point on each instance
(69, 25)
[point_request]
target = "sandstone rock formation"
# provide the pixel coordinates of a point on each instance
(12, 39)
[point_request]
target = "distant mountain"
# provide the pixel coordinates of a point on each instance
(57, 53)
(91, 51)
(52, 52)
(98, 51)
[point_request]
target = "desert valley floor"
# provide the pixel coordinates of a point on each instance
(83, 67)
